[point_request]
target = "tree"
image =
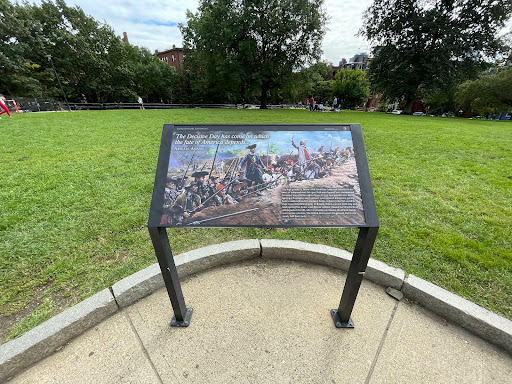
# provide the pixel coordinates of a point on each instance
(490, 93)
(323, 91)
(92, 63)
(422, 46)
(236, 49)
(274, 148)
(315, 80)
(155, 79)
(17, 36)
(79, 46)
(351, 87)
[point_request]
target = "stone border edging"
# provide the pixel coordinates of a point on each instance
(49, 336)
(46, 338)
(486, 324)
(376, 271)
(134, 287)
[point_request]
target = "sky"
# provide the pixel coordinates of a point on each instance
(154, 23)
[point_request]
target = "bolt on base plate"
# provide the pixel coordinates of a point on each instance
(337, 321)
(186, 320)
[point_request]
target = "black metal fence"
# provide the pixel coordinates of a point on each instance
(105, 106)
(26, 104)
(30, 104)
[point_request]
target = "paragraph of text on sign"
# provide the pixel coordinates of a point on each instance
(300, 203)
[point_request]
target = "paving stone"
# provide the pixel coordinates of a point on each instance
(422, 347)
(484, 323)
(395, 293)
(384, 275)
(138, 285)
(376, 271)
(201, 259)
(142, 283)
(107, 353)
(264, 321)
(44, 339)
(306, 252)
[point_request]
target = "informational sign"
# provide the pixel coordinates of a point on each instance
(261, 176)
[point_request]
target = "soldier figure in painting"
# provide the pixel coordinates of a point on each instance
(189, 200)
(202, 188)
(172, 216)
(223, 197)
(254, 166)
(303, 156)
(170, 192)
(170, 196)
(212, 183)
(226, 179)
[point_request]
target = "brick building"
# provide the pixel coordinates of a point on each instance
(359, 61)
(173, 56)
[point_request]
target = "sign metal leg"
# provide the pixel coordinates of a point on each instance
(182, 314)
(362, 251)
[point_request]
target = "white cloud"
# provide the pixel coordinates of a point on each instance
(143, 20)
(156, 10)
(153, 23)
(346, 17)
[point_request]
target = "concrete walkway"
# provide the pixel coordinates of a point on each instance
(267, 320)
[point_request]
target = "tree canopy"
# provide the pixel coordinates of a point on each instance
(490, 93)
(424, 46)
(315, 80)
(239, 50)
(352, 87)
(92, 63)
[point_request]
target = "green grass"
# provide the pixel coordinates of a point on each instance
(42, 313)
(76, 189)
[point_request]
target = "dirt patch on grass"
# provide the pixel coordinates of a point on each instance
(61, 301)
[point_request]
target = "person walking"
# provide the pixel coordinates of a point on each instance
(4, 107)
(311, 103)
(141, 103)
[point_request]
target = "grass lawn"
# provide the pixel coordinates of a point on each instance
(76, 189)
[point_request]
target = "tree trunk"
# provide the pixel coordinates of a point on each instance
(408, 107)
(263, 99)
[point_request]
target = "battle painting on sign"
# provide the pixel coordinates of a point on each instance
(257, 175)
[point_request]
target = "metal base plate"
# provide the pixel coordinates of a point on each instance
(186, 320)
(337, 321)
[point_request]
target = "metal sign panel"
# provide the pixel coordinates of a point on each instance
(262, 176)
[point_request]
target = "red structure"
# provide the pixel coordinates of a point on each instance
(362, 61)
(173, 56)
